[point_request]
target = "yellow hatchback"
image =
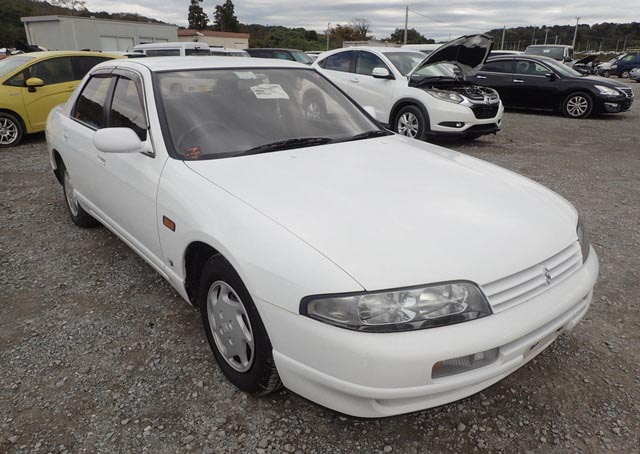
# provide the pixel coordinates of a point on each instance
(32, 84)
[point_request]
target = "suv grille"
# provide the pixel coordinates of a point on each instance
(519, 287)
(483, 111)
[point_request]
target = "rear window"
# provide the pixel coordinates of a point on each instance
(342, 61)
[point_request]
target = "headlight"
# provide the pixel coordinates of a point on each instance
(583, 239)
(449, 96)
(607, 91)
(400, 310)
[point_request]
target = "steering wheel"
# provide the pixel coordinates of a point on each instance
(205, 125)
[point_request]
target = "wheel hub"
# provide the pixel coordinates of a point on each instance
(408, 125)
(8, 131)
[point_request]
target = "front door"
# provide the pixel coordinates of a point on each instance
(533, 88)
(371, 91)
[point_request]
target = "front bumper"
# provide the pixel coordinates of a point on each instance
(377, 375)
(445, 117)
(616, 105)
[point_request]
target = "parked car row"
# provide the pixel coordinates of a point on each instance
(366, 271)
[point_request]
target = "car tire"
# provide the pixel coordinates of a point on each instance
(410, 121)
(78, 215)
(606, 74)
(625, 74)
(11, 130)
(229, 315)
(577, 105)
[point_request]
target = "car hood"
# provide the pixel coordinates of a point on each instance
(606, 82)
(585, 60)
(394, 212)
(467, 52)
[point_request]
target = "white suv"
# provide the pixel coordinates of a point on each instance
(416, 95)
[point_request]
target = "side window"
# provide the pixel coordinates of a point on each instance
(52, 71)
(17, 80)
(342, 61)
(89, 108)
(282, 55)
(197, 51)
(82, 65)
(500, 66)
(367, 61)
(629, 58)
(127, 109)
(163, 52)
(530, 68)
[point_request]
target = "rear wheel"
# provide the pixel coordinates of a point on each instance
(11, 130)
(234, 329)
(79, 217)
(410, 121)
(577, 105)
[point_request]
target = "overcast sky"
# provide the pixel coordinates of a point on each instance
(461, 17)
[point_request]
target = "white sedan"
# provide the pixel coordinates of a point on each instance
(366, 271)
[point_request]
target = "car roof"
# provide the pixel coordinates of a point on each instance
(522, 57)
(273, 48)
(549, 45)
(157, 64)
(69, 53)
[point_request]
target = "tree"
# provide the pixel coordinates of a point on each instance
(76, 5)
(413, 37)
(361, 27)
(225, 18)
(197, 17)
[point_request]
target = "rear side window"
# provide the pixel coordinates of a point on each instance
(197, 52)
(82, 65)
(282, 55)
(89, 108)
(163, 52)
(502, 66)
(127, 109)
(343, 61)
(367, 61)
(52, 71)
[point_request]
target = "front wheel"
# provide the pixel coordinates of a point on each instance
(577, 105)
(410, 121)
(234, 329)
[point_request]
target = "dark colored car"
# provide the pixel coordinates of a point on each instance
(623, 65)
(532, 82)
(282, 54)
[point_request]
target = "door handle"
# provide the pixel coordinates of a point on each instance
(481, 77)
(355, 80)
(518, 81)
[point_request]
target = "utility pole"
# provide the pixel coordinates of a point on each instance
(406, 23)
(624, 46)
(556, 42)
(518, 46)
(546, 33)
(575, 33)
(533, 36)
(504, 30)
(328, 25)
(617, 42)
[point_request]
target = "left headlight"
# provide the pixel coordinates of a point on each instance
(449, 96)
(607, 91)
(583, 239)
(400, 310)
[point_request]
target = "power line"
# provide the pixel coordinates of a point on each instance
(446, 23)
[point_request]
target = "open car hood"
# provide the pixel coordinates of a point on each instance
(586, 60)
(467, 52)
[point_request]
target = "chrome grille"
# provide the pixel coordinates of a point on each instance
(627, 91)
(523, 285)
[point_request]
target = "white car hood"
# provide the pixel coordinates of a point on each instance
(394, 212)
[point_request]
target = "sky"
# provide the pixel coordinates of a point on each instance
(445, 18)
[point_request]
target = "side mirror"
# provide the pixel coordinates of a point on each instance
(370, 110)
(381, 73)
(117, 140)
(551, 76)
(33, 82)
(566, 59)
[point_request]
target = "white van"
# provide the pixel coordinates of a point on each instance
(172, 49)
(558, 52)
(228, 52)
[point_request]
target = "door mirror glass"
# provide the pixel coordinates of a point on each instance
(117, 140)
(34, 82)
(380, 73)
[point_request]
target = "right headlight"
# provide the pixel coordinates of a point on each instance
(444, 95)
(400, 310)
(583, 239)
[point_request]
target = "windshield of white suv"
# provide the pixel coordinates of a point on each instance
(10, 63)
(218, 113)
(405, 61)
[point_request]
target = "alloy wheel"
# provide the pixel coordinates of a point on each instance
(408, 125)
(230, 326)
(625, 74)
(8, 131)
(70, 195)
(577, 106)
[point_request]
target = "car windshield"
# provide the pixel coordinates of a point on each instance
(10, 63)
(218, 113)
(301, 57)
(405, 61)
(562, 69)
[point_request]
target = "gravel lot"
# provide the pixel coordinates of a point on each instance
(99, 354)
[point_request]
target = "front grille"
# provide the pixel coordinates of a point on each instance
(519, 287)
(627, 91)
(483, 111)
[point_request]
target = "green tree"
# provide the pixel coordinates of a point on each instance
(225, 18)
(197, 17)
(413, 37)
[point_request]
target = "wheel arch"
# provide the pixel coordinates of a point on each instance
(195, 256)
(58, 164)
(18, 116)
(404, 102)
(574, 90)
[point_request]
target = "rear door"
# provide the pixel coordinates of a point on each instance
(498, 74)
(340, 68)
(368, 90)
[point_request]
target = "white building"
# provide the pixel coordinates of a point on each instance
(77, 33)
(215, 39)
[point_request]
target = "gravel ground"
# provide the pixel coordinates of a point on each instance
(99, 354)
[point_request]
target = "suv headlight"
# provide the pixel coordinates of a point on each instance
(407, 309)
(443, 95)
(607, 91)
(583, 239)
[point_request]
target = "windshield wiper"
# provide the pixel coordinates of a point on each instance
(367, 135)
(287, 144)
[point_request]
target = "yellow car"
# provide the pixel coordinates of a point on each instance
(32, 84)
